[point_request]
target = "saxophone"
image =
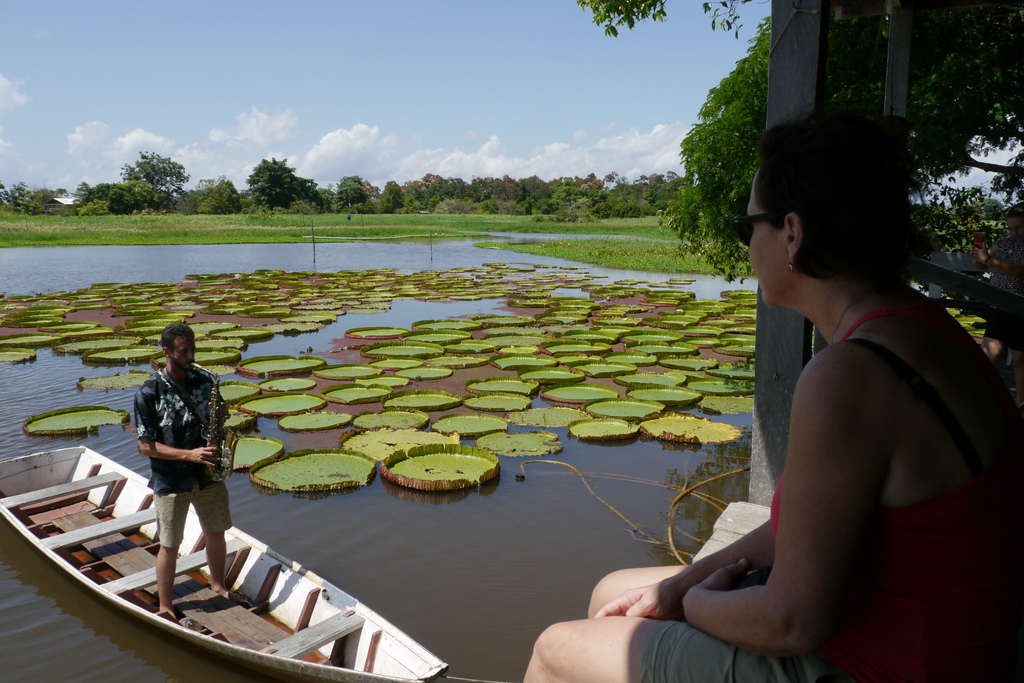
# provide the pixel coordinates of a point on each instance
(216, 434)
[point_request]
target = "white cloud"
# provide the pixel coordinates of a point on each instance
(257, 128)
(10, 97)
(630, 154)
(361, 151)
(103, 150)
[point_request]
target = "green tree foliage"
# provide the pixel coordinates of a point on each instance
(273, 184)
(614, 13)
(393, 199)
(949, 130)
(350, 191)
(132, 196)
(166, 177)
(216, 196)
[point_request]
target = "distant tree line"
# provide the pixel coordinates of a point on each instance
(156, 184)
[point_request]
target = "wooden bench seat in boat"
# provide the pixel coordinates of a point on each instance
(95, 531)
(314, 637)
(59, 490)
(186, 564)
(119, 553)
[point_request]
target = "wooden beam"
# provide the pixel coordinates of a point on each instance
(851, 9)
(316, 636)
(796, 86)
(897, 67)
(59, 490)
(91, 533)
(978, 290)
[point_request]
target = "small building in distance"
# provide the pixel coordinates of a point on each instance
(59, 205)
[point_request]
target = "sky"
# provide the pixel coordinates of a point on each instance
(386, 90)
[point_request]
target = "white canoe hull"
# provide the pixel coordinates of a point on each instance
(362, 645)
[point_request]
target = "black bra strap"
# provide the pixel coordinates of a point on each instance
(927, 393)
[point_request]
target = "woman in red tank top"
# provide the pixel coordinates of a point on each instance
(895, 543)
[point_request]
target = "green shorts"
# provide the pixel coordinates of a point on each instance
(680, 653)
(211, 506)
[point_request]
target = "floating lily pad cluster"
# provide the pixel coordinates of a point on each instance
(624, 358)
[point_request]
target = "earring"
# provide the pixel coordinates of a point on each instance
(790, 268)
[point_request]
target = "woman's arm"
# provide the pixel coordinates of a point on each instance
(664, 600)
(836, 467)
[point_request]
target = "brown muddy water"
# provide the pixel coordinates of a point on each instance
(474, 575)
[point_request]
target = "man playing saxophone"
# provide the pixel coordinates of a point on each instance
(172, 417)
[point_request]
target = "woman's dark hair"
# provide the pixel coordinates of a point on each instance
(174, 331)
(849, 178)
(1015, 211)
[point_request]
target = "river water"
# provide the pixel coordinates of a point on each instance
(474, 576)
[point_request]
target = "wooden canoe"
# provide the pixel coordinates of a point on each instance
(94, 519)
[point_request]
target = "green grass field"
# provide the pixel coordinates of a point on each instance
(52, 231)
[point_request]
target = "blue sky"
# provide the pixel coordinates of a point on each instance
(387, 90)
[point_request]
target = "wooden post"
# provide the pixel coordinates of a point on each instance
(897, 67)
(796, 78)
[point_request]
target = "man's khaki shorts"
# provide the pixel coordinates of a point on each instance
(211, 506)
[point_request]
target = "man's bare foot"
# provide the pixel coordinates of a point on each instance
(230, 595)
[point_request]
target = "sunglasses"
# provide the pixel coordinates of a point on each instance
(744, 225)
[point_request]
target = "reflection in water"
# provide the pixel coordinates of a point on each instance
(488, 488)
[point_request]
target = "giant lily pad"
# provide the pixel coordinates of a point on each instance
(251, 449)
(631, 358)
(423, 399)
(727, 405)
(380, 443)
(13, 355)
(396, 363)
(578, 393)
(553, 376)
(546, 417)
(88, 345)
(392, 418)
(121, 356)
(456, 362)
(675, 397)
(689, 429)
(609, 369)
(641, 378)
(688, 363)
(440, 467)
(78, 420)
(603, 429)
(218, 357)
(740, 371)
(528, 444)
(348, 371)
(498, 403)
(128, 380)
(286, 384)
(442, 337)
(310, 422)
(375, 332)
(631, 409)
(31, 340)
(424, 373)
(382, 381)
(314, 470)
(502, 385)
(722, 387)
(356, 393)
(285, 403)
(469, 425)
(398, 349)
(510, 362)
(278, 366)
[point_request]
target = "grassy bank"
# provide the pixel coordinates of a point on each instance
(51, 231)
(663, 255)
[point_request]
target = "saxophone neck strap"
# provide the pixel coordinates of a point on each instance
(183, 395)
